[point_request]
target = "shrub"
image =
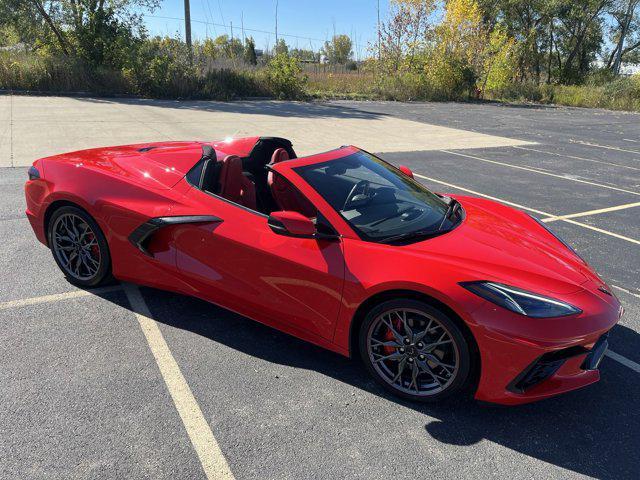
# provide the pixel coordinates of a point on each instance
(450, 77)
(285, 77)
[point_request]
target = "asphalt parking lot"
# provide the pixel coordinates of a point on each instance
(138, 383)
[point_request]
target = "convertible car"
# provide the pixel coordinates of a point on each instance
(437, 294)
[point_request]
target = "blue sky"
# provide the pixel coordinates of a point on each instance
(313, 20)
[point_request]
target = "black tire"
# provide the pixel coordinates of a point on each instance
(431, 384)
(92, 253)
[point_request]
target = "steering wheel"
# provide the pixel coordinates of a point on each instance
(360, 189)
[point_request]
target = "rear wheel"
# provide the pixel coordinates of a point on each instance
(414, 350)
(79, 247)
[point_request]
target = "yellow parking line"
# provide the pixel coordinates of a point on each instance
(541, 172)
(539, 212)
(592, 212)
(56, 297)
(575, 157)
(209, 453)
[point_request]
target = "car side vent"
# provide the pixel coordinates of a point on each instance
(543, 367)
(145, 149)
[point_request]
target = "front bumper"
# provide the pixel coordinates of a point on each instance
(525, 359)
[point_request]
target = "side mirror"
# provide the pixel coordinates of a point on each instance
(292, 224)
(406, 170)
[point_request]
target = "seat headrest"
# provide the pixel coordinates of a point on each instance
(232, 161)
(279, 155)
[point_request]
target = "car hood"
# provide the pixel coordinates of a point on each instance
(499, 243)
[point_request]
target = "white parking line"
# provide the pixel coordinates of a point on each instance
(539, 212)
(56, 297)
(506, 202)
(592, 212)
(601, 230)
(623, 360)
(608, 147)
(576, 158)
(209, 453)
(629, 292)
(541, 172)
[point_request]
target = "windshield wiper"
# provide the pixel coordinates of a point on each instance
(424, 234)
(452, 208)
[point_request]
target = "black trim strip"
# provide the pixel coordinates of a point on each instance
(141, 235)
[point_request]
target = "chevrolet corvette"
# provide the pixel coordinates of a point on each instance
(436, 294)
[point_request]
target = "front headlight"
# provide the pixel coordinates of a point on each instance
(520, 301)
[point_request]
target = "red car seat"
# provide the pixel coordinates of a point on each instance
(234, 185)
(286, 196)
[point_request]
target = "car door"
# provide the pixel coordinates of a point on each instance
(241, 264)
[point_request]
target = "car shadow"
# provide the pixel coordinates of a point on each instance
(285, 109)
(594, 431)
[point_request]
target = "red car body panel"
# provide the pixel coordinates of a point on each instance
(313, 288)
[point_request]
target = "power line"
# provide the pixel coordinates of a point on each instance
(210, 19)
(280, 34)
(221, 14)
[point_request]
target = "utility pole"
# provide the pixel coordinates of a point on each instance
(244, 39)
(379, 41)
(276, 22)
(187, 26)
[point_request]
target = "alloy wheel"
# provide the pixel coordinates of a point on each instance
(75, 245)
(413, 352)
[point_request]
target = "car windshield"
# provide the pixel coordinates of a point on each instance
(378, 201)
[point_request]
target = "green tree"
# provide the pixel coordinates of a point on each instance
(626, 26)
(285, 76)
(499, 61)
(405, 36)
(305, 54)
(98, 32)
(281, 48)
(250, 56)
(338, 50)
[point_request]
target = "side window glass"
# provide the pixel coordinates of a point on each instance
(288, 197)
(194, 175)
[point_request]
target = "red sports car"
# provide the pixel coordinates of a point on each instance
(437, 294)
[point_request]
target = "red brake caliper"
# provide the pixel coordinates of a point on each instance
(95, 250)
(388, 336)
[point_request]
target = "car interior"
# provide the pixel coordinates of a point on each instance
(248, 181)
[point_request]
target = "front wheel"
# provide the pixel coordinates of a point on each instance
(79, 247)
(414, 350)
